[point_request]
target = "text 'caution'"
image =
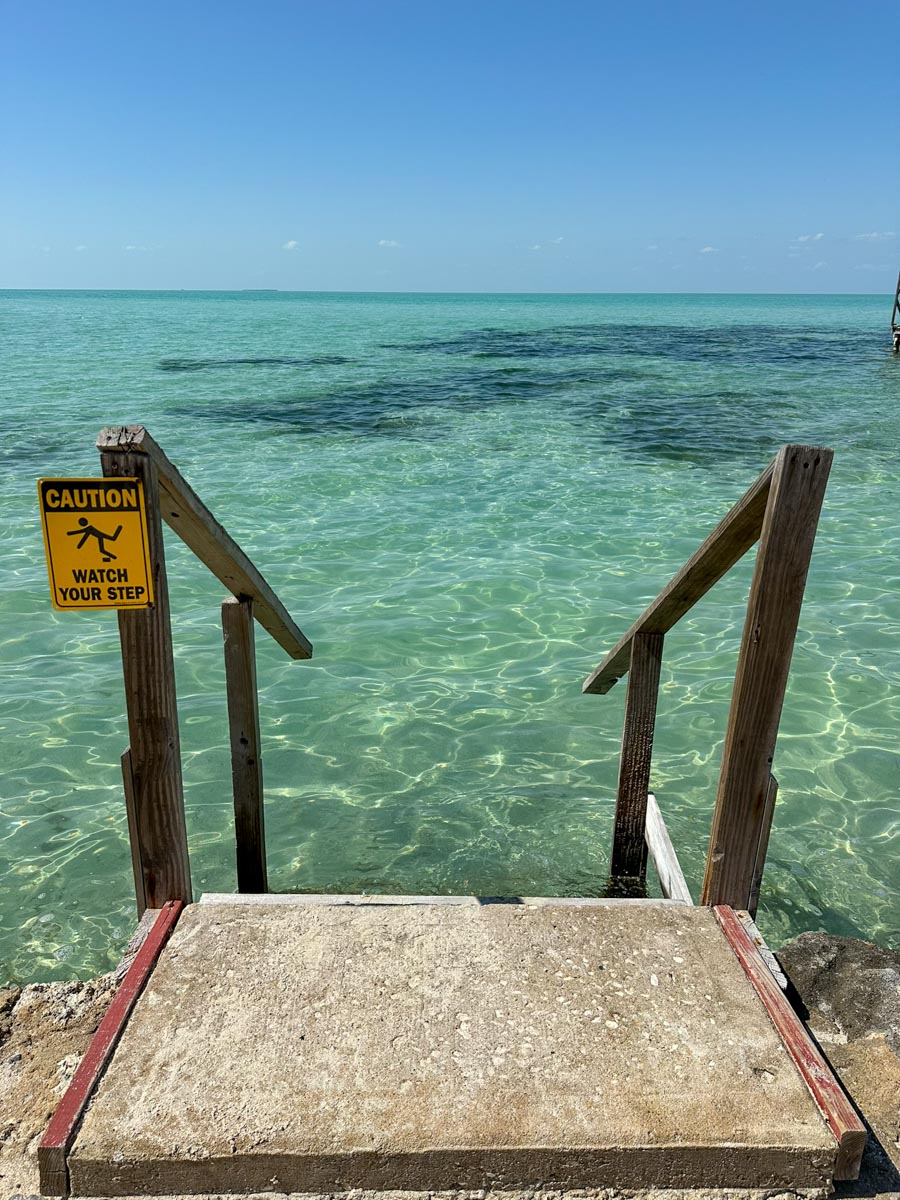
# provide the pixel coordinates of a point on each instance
(95, 535)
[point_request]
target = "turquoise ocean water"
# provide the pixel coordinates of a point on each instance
(464, 501)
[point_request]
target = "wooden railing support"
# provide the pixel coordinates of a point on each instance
(665, 860)
(773, 612)
(148, 665)
(763, 847)
(246, 764)
(151, 767)
(140, 890)
(781, 510)
(629, 850)
(183, 510)
(728, 542)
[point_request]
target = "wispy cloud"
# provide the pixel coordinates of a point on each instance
(79, 249)
(874, 237)
(536, 246)
(557, 241)
(389, 243)
(819, 265)
(810, 237)
(710, 250)
(293, 244)
(131, 248)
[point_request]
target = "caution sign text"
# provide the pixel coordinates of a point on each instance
(95, 535)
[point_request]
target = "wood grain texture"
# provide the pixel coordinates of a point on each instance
(662, 852)
(839, 1114)
(629, 850)
(773, 612)
(246, 762)
(57, 1141)
(140, 891)
(148, 667)
(185, 512)
(763, 847)
(728, 542)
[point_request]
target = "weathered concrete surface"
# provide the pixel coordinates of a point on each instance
(322, 1048)
(45, 1028)
(851, 990)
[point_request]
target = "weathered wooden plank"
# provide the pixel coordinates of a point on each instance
(763, 848)
(134, 841)
(760, 943)
(837, 1111)
(148, 666)
(773, 612)
(662, 852)
(246, 761)
(186, 513)
(728, 542)
(55, 1145)
(629, 850)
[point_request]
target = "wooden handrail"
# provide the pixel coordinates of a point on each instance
(781, 510)
(184, 511)
(151, 767)
(728, 542)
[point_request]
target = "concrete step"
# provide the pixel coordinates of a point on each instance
(326, 1045)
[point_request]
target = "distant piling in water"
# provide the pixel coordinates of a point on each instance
(895, 318)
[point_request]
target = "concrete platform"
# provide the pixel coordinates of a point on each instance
(325, 1046)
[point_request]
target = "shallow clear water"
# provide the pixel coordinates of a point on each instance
(464, 501)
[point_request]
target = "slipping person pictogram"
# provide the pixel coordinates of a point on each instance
(88, 531)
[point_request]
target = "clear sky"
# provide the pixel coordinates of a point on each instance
(448, 145)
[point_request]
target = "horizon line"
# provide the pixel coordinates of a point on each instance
(421, 292)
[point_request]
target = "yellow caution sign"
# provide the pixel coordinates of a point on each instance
(95, 535)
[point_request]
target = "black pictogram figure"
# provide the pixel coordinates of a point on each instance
(88, 531)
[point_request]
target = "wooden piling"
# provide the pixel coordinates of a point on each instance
(773, 612)
(629, 850)
(763, 847)
(246, 764)
(140, 890)
(148, 666)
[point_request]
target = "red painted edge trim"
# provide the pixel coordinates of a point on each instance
(831, 1100)
(64, 1124)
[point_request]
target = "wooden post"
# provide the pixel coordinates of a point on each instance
(246, 765)
(763, 847)
(131, 814)
(668, 869)
(773, 611)
(629, 850)
(148, 666)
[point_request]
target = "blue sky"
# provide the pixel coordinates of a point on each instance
(455, 146)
